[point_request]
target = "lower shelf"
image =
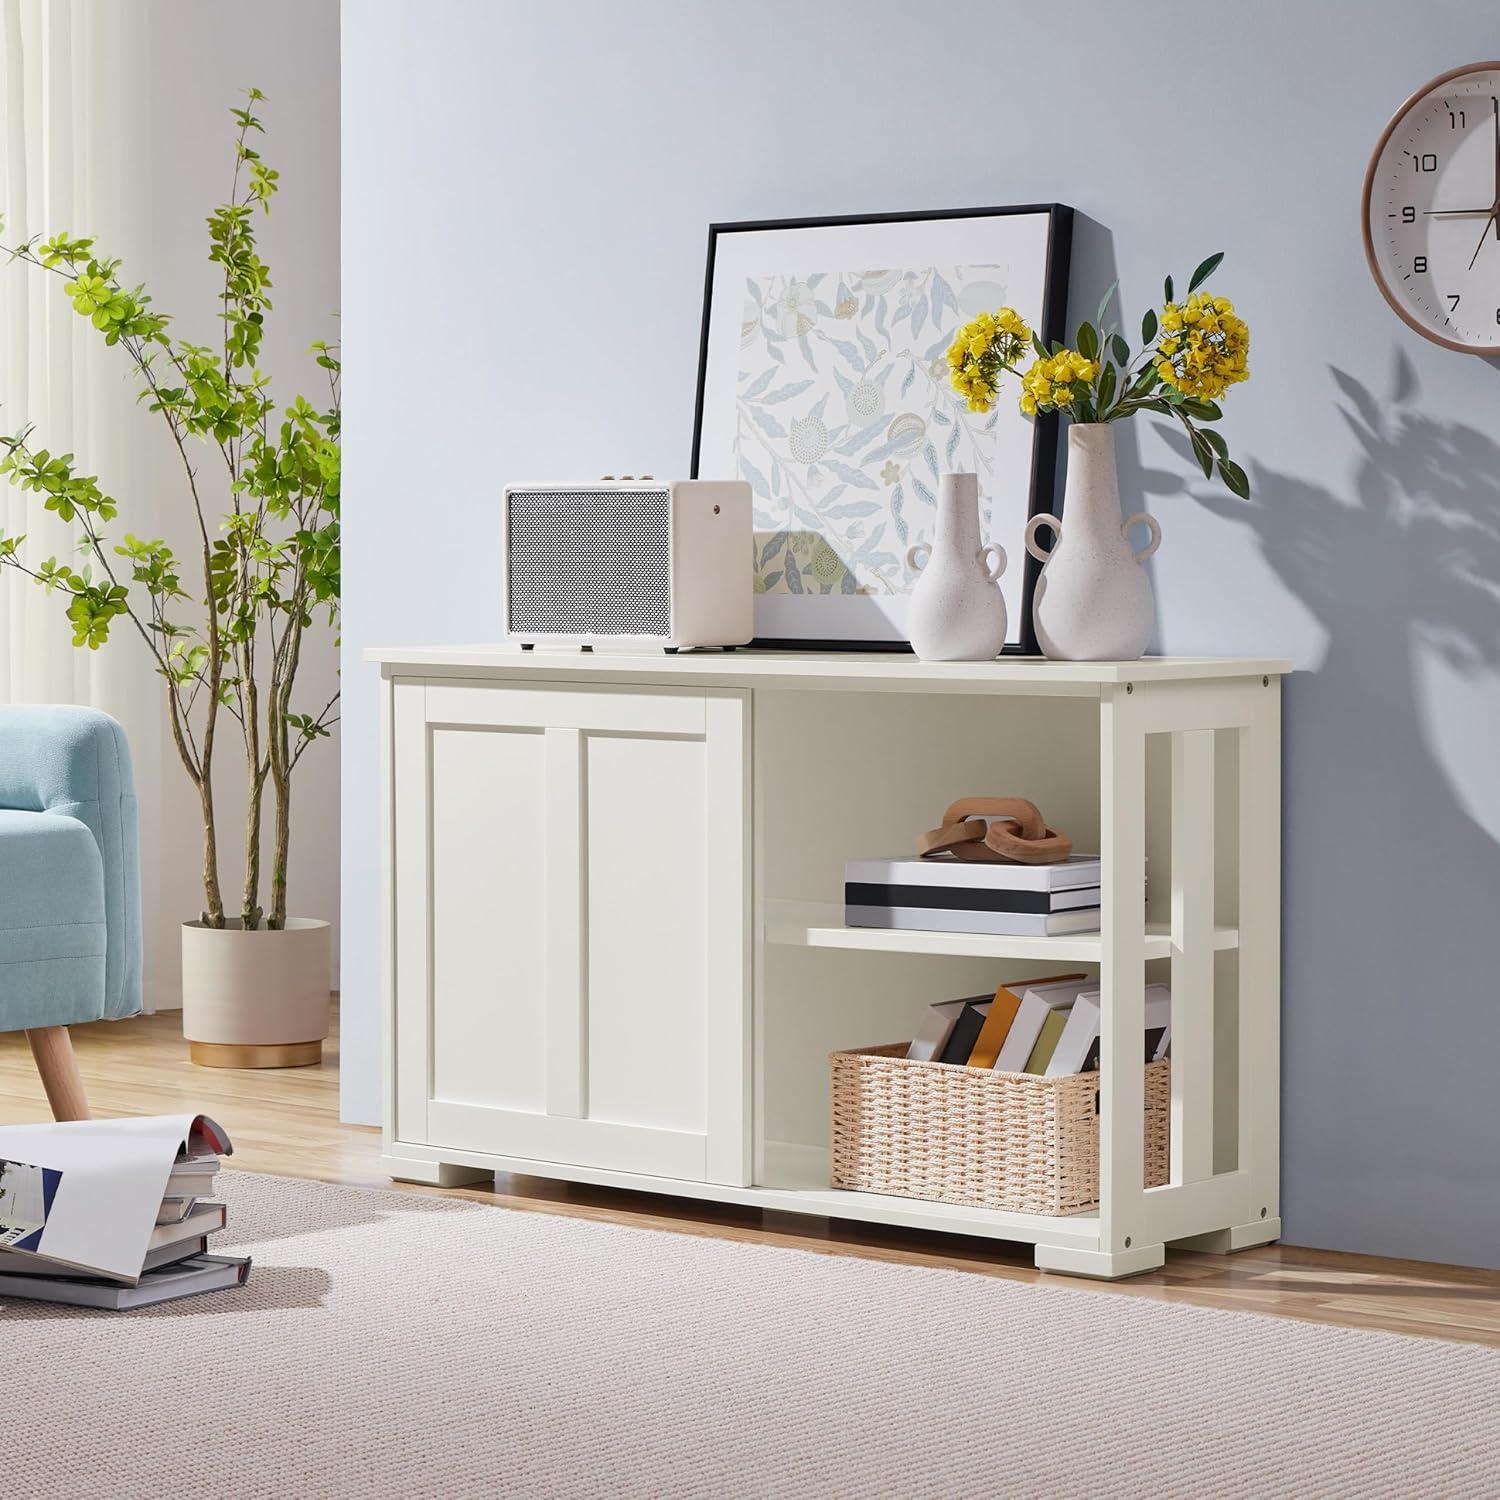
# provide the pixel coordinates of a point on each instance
(1074, 1231)
(1215, 1213)
(1080, 1230)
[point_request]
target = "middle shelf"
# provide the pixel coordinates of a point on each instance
(801, 924)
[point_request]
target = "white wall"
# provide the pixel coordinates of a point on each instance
(526, 190)
(201, 53)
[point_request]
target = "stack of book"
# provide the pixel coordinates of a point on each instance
(1045, 1027)
(952, 895)
(113, 1213)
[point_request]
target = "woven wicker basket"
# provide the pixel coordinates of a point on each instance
(977, 1137)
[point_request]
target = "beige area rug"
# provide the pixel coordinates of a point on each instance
(391, 1344)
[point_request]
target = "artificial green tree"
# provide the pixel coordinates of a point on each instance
(264, 568)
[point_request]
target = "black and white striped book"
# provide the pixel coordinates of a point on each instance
(961, 898)
(984, 923)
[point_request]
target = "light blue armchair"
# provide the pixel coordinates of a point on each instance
(70, 890)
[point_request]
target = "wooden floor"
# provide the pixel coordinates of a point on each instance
(287, 1122)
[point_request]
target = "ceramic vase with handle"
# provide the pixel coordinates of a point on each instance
(1093, 601)
(957, 612)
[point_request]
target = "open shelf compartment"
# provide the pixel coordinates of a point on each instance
(857, 775)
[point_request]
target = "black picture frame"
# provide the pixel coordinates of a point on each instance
(1044, 497)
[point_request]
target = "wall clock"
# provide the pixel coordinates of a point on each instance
(1432, 210)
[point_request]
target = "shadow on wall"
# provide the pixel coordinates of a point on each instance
(1391, 1016)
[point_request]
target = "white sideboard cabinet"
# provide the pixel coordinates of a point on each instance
(614, 941)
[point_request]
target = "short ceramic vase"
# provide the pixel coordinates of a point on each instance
(957, 612)
(1093, 601)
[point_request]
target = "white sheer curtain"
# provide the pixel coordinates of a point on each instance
(66, 167)
(74, 160)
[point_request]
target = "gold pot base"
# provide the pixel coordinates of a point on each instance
(256, 1055)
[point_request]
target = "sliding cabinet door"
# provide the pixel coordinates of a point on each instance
(571, 925)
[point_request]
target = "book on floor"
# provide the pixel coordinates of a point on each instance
(85, 1195)
(13, 1263)
(185, 1278)
(1003, 1010)
(175, 1210)
(192, 1179)
(206, 1218)
(1038, 1001)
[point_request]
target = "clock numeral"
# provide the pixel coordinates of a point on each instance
(1452, 301)
(1455, 122)
(1497, 314)
(1427, 163)
(1408, 215)
(1419, 264)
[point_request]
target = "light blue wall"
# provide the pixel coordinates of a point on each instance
(526, 190)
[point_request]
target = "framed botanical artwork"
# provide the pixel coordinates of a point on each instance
(823, 381)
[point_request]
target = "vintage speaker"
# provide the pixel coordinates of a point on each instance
(629, 563)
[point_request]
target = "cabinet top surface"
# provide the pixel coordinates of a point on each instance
(867, 669)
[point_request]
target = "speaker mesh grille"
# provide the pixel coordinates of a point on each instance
(589, 562)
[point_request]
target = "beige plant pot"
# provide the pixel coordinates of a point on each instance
(256, 999)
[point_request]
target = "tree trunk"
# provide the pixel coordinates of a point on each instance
(280, 751)
(250, 912)
(283, 785)
(213, 915)
(213, 912)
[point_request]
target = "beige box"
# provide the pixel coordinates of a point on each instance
(629, 564)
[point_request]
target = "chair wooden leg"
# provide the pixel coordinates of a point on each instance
(52, 1048)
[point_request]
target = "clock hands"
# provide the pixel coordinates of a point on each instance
(1484, 234)
(1457, 213)
(1494, 213)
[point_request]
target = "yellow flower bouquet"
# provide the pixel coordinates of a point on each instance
(1191, 353)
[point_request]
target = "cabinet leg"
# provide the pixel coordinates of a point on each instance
(1239, 1237)
(1102, 1265)
(441, 1174)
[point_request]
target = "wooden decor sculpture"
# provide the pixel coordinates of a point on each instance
(997, 830)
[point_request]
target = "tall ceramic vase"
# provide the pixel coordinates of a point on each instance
(957, 612)
(1093, 601)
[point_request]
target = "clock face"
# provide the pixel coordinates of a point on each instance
(1432, 210)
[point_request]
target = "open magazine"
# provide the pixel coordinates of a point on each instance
(83, 1197)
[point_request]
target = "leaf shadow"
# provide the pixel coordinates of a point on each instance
(1390, 1029)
